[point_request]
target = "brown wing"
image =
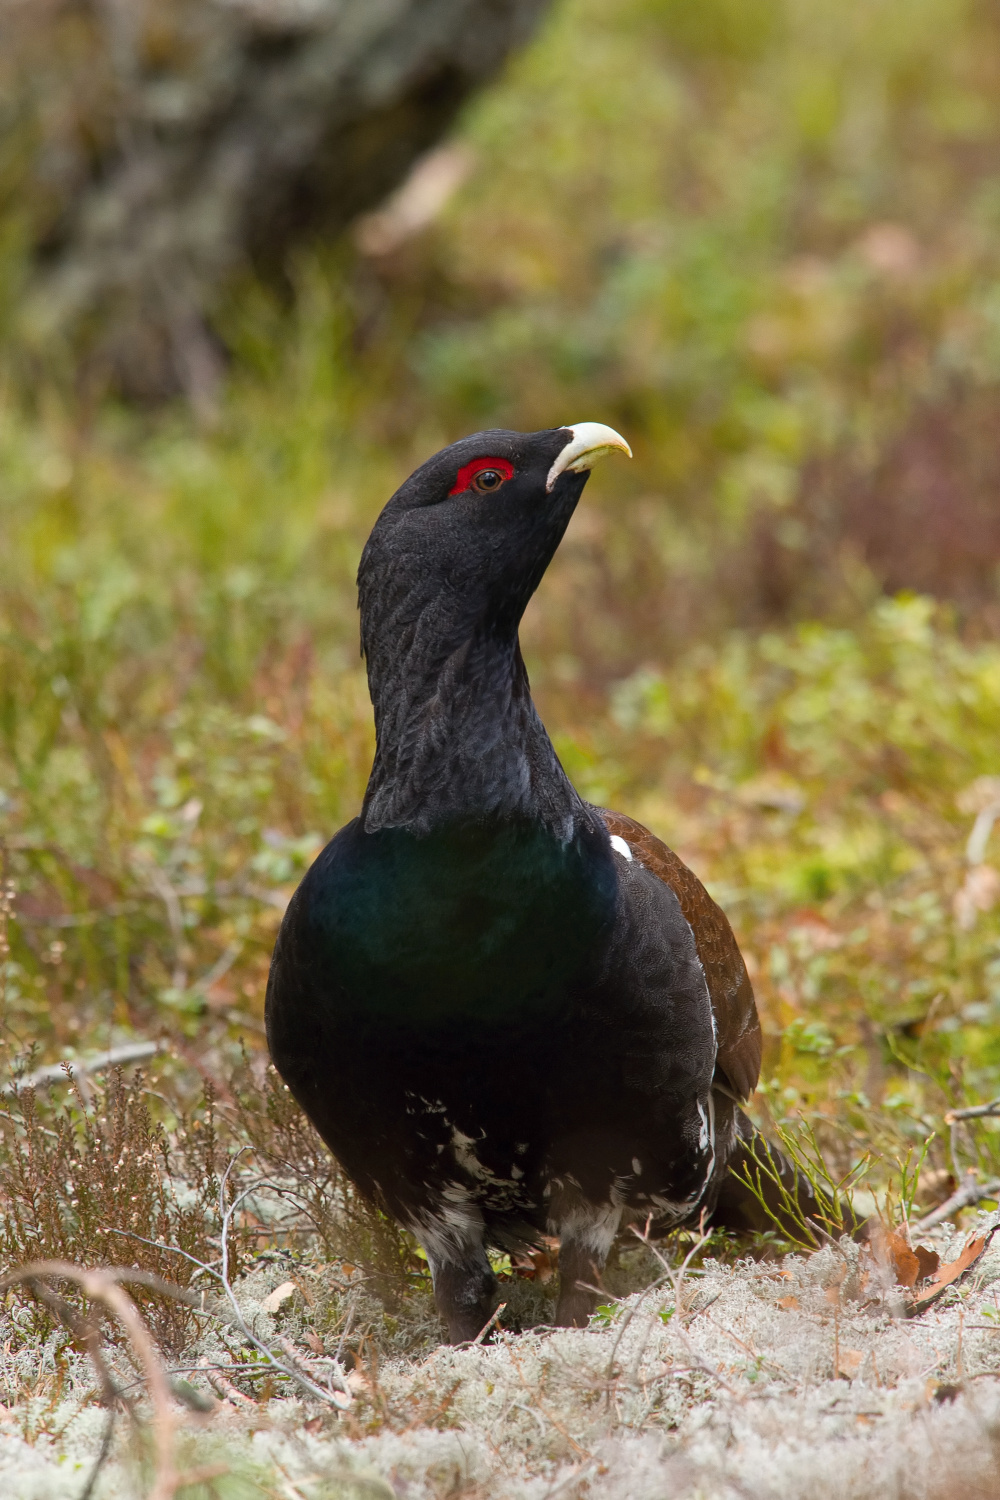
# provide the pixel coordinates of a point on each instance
(726, 974)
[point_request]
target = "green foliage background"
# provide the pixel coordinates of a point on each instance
(760, 238)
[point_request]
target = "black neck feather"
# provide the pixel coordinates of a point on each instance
(459, 739)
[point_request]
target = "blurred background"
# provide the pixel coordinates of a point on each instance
(261, 257)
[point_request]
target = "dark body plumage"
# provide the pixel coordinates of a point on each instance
(506, 1011)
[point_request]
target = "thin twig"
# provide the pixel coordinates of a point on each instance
(80, 1067)
(130, 1234)
(235, 1367)
(234, 1317)
(974, 1112)
(101, 1285)
(626, 1320)
(969, 1193)
(494, 1317)
(343, 1401)
(130, 1275)
(85, 1334)
(677, 1277)
(289, 1370)
(348, 1324)
(224, 1389)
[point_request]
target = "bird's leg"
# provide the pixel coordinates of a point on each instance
(465, 1294)
(465, 1288)
(586, 1234)
(580, 1269)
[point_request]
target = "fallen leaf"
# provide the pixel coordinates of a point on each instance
(791, 1303)
(948, 1274)
(535, 1265)
(904, 1264)
(909, 1264)
(850, 1362)
(929, 1261)
(274, 1301)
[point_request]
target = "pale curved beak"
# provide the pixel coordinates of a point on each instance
(590, 441)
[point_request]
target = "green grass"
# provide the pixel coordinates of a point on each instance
(761, 240)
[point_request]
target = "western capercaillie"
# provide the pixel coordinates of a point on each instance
(506, 1011)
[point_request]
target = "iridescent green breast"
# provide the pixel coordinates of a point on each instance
(483, 920)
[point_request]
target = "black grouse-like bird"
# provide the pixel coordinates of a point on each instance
(506, 1011)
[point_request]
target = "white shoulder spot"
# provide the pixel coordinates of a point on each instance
(620, 847)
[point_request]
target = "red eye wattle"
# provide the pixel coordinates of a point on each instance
(489, 472)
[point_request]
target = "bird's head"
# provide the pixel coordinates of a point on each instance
(463, 544)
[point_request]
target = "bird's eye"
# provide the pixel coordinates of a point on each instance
(488, 480)
(484, 475)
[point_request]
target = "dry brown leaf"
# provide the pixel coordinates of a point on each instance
(276, 1300)
(929, 1261)
(948, 1274)
(904, 1264)
(850, 1362)
(535, 1265)
(789, 1302)
(909, 1264)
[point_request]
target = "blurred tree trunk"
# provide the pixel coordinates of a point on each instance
(157, 145)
